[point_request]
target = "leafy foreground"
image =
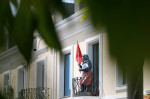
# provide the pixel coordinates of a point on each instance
(30, 16)
(126, 22)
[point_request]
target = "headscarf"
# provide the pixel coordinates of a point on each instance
(85, 57)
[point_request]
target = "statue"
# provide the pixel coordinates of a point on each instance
(87, 75)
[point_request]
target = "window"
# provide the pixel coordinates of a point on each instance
(94, 50)
(67, 77)
(69, 9)
(41, 73)
(6, 82)
(121, 79)
(64, 73)
(21, 79)
(96, 65)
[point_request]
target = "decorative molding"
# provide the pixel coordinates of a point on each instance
(121, 88)
(85, 28)
(68, 20)
(41, 51)
(8, 57)
(119, 96)
(9, 52)
(7, 63)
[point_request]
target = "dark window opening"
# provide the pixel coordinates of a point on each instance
(96, 67)
(69, 7)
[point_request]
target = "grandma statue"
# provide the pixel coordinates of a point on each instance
(87, 75)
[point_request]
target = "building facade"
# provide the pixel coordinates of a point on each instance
(55, 75)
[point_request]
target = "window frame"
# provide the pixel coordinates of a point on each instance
(25, 78)
(65, 72)
(45, 70)
(89, 50)
(60, 72)
(5, 73)
(119, 88)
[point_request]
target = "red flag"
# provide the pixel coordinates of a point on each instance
(78, 54)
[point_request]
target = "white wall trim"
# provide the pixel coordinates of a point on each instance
(119, 96)
(65, 21)
(45, 74)
(117, 87)
(38, 43)
(60, 90)
(25, 80)
(41, 51)
(9, 52)
(7, 72)
(53, 74)
(86, 29)
(91, 41)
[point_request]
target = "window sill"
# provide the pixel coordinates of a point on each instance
(66, 97)
(121, 88)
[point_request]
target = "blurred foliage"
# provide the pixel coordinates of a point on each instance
(84, 9)
(30, 16)
(126, 22)
(2, 97)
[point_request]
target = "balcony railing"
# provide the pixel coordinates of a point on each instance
(84, 90)
(35, 93)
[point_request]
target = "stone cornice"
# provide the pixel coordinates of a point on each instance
(9, 56)
(8, 52)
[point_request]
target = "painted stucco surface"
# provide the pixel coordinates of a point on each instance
(13, 81)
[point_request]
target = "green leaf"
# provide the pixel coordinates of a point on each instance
(2, 96)
(5, 14)
(85, 15)
(78, 1)
(84, 9)
(58, 5)
(23, 29)
(2, 39)
(45, 25)
(15, 3)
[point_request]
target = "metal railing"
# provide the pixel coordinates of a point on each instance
(35, 93)
(84, 90)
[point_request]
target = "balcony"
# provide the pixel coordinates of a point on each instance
(35, 93)
(86, 90)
